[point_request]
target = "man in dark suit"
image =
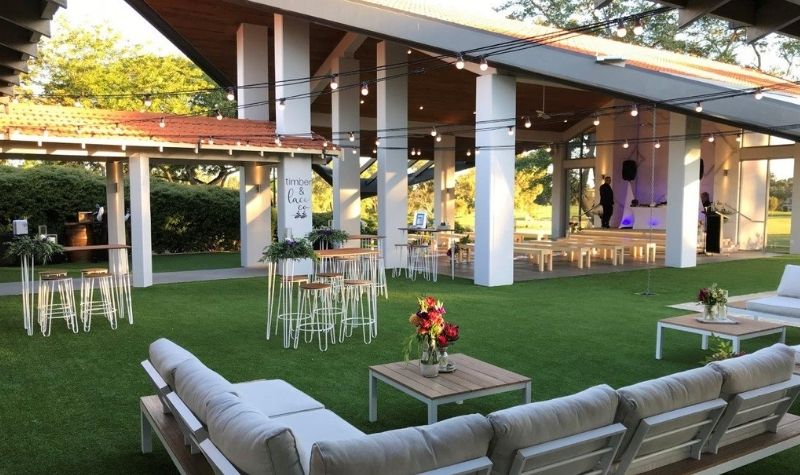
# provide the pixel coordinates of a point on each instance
(607, 201)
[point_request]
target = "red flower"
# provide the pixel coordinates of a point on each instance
(450, 331)
(441, 341)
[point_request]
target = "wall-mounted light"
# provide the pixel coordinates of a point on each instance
(725, 172)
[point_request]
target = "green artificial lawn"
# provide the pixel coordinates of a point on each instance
(161, 263)
(70, 402)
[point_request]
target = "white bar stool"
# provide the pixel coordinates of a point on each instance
(361, 310)
(54, 282)
(317, 314)
(105, 306)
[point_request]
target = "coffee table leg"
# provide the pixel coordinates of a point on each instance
(373, 398)
(736, 345)
(704, 343)
(783, 335)
(658, 341)
(526, 394)
(432, 412)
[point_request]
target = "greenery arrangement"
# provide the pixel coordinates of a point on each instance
(328, 236)
(289, 249)
(721, 349)
(40, 249)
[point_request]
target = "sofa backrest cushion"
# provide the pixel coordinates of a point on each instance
(790, 282)
(254, 443)
(402, 451)
(165, 357)
(531, 424)
(764, 367)
(196, 384)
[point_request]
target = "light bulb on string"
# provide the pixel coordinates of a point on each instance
(711, 138)
(460, 62)
(549, 148)
(230, 95)
(77, 102)
(638, 27)
(621, 31)
(477, 151)
(434, 132)
(334, 82)
(739, 137)
(528, 122)
(510, 130)
(282, 104)
(469, 153)
(219, 115)
(147, 101)
(698, 107)
(625, 145)
(162, 123)
(374, 151)
(438, 138)
(354, 150)
(325, 143)
(759, 94)
(484, 66)
(364, 88)
(657, 144)
(596, 120)
(352, 137)
(634, 110)
(377, 142)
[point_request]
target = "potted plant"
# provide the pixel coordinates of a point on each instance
(289, 249)
(325, 238)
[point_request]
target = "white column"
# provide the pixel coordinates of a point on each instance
(252, 67)
(392, 112)
(142, 248)
(444, 181)
(254, 212)
(559, 193)
(794, 239)
(494, 182)
(294, 173)
(345, 118)
(683, 191)
(115, 211)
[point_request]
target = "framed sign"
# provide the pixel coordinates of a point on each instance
(420, 219)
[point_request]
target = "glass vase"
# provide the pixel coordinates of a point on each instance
(708, 312)
(444, 360)
(429, 361)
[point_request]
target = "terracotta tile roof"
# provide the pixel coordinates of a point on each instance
(108, 126)
(668, 62)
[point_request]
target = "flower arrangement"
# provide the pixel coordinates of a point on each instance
(328, 236)
(432, 331)
(39, 249)
(289, 249)
(713, 295)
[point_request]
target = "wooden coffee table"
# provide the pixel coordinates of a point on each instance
(472, 378)
(746, 329)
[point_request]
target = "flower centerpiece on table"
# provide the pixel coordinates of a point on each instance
(432, 334)
(293, 249)
(324, 238)
(714, 300)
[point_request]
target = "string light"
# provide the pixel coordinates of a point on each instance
(438, 138)
(352, 137)
(354, 150)
(374, 151)
(759, 94)
(528, 122)
(364, 88)
(510, 130)
(460, 62)
(378, 142)
(45, 132)
(230, 95)
(477, 151)
(711, 138)
(698, 107)
(282, 104)
(549, 148)
(625, 145)
(147, 101)
(162, 123)
(334, 82)
(657, 144)
(638, 27)
(739, 137)
(621, 31)
(219, 115)
(434, 133)
(484, 66)
(211, 140)
(596, 120)
(325, 143)
(77, 102)
(362, 101)
(634, 111)
(469, 153)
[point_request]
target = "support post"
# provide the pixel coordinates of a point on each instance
(345, 119)
(683, 191)
(141, 239)
(494, 182)
(392, 113)
(252, 67)
(115, 213)
(254, 212)
(559, 193)
(794, 239)
(294, 119)
(444, 181)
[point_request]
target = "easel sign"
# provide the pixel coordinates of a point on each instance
(421, 219)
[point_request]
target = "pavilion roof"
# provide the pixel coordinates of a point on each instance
(53, 123)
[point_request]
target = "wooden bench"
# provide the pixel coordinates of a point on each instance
(155, 420)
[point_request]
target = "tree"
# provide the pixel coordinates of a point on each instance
(94, 67)
(707, 37)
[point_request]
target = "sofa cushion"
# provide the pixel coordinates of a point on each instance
(403, 451)
(165, 357)
(796, 354)
(196, 384)
(275, 397)
(786, 306)
(531, 424)
(311, 427)
(756, 370)
(790, 282)
(252, 442)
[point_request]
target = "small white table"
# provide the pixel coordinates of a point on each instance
(746, 329)
(472, 378)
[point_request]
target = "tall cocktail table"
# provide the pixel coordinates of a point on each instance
(745, 329)
(472, 378)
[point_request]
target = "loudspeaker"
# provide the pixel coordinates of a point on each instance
(629, 170)
(702, 169)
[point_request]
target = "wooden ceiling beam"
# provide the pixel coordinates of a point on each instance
(772, 16)
(346, 48)
(696, 9)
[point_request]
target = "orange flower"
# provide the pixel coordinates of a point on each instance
(414, 319)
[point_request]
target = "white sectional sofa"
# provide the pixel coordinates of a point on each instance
(787, 301)
(270, 427)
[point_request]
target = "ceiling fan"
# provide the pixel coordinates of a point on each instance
(542, 114)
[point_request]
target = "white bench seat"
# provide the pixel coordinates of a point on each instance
(777, 305)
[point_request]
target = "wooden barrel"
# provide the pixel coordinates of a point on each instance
(77, 234)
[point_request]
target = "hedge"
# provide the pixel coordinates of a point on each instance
(184, 218)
